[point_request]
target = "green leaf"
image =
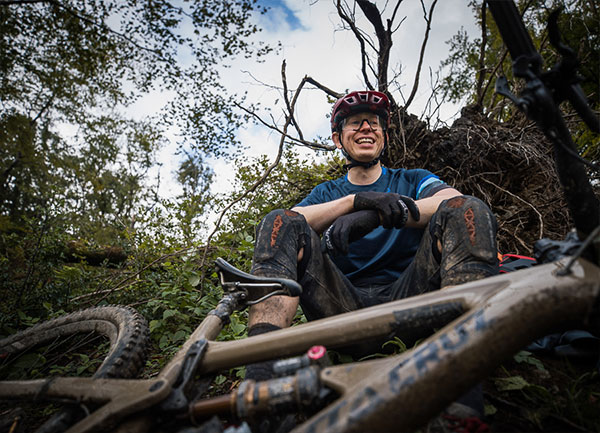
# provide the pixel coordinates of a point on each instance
(220, 379)
(489, 410)
(163, 342)
(178, 336)
(528, 358)
(194, 280)
(168, 313)
(513, 383)
(238, 328)
(155, 324)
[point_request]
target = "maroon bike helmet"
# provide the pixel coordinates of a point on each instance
(359, 102)
(369, 101)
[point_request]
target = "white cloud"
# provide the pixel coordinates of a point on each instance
(332, 58)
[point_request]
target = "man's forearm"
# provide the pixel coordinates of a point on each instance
(322, 215)
(428, 206)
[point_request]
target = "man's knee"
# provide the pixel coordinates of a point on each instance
(272, 224)
(466, 227)
(469, 213)
(280, 237)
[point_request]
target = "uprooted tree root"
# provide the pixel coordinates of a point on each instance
(507, 165)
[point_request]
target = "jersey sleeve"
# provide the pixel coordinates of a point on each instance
(316, 196)
(429, 184)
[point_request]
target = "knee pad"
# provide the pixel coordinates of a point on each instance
(279, 237)
(466, 227)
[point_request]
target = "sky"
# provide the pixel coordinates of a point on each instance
(312, 44)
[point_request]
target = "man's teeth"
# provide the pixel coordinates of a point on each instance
(364, 140)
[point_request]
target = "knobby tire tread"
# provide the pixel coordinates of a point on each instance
(126, 328)
(129, 338)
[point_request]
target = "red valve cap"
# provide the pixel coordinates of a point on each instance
(316, 352)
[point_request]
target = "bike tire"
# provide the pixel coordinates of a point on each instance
(127, 330)
(127, 333)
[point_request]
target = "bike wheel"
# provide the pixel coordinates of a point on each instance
(101, 342)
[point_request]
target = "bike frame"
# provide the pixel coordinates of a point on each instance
(485, 322)
(482, 323)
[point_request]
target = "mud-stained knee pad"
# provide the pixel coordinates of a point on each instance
(470, 218)
(279, 237)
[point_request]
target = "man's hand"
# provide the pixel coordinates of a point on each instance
(394, 208)
(349, 228)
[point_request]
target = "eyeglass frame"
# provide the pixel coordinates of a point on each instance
(378, 127)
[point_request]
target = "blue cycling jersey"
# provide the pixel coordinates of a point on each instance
(381, 256)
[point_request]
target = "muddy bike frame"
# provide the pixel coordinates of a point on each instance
(485, 322)
(480, 323)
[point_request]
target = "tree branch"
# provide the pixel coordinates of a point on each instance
(384, 37)
(264, 176)
(481, 68)
(83, 18)
(422, 55)
(295, 140)
(541, 232)
(361, 41)
(327, 90)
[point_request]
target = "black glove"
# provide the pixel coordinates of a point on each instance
(394, 208)
(349, 228)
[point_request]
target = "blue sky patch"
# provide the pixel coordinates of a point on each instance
(277, 14)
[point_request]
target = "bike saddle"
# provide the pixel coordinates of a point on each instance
(257, 288)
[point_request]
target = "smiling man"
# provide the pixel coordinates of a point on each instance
(387, 234)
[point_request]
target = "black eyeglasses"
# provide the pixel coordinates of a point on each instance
(357, 123)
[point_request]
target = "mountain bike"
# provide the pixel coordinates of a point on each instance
(468, 331)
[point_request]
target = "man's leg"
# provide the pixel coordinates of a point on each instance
(287, 247)
(466, 228)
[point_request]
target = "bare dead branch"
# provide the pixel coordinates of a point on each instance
(481, 68)
(384, 37)
(294, 140)
(264, 176)
(396, 11)
(427, 18)
(289, 108)
(327, 90)
(361, 41)
(521, 200)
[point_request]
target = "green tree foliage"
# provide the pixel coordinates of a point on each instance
(75, 156)
(192, 204)
(288, 184)
(579, 27)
